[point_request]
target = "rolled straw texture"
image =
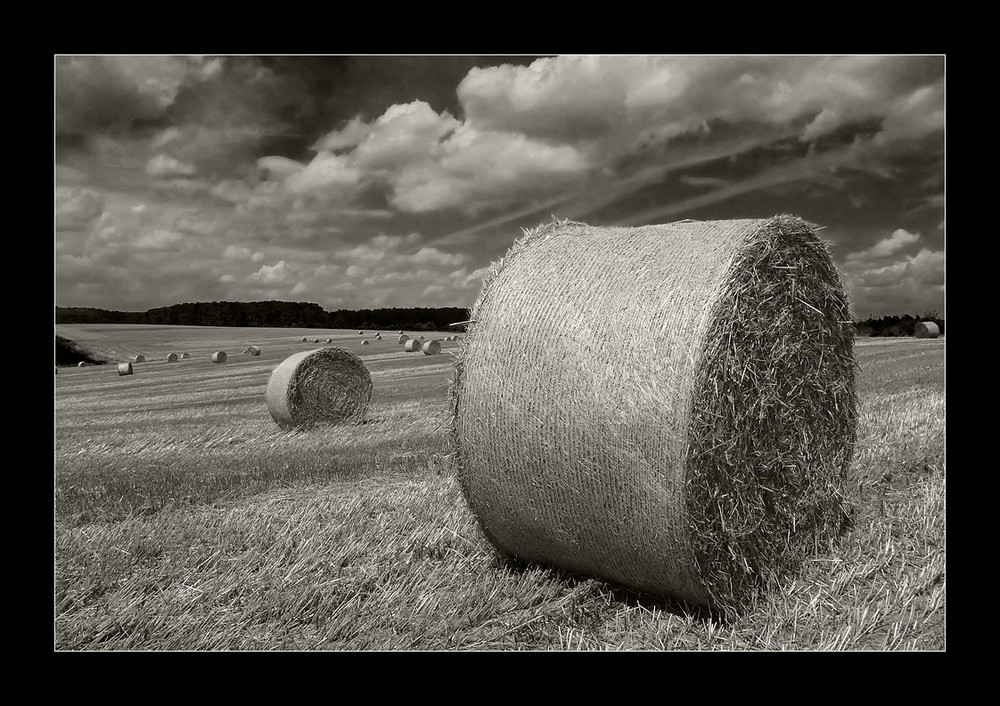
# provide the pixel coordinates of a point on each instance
(124, 368)
(412, 346)
(701, 462)
(219, 357)
(926, 329)
(403, 338)
(324, 386)
(431, 347)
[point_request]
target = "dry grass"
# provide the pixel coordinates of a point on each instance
(696, 466)
(185, 519)
(325, 386)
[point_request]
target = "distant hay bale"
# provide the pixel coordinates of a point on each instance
(431, 347)
(926, 329)
(219, 357)
(304, 340)
(125, 368)
(703, 464)
(412, 346)
(329, 340)
(421, 338)
(82, 364)
(171, 357)
(324, 386)
(364, 343)
(252, 350)
(185, 355)
(139, 358)
(400, 332)
(403, 338)
(315, 340)
(361, 333)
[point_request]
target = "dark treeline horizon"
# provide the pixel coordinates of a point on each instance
(279, 314)
(272, 314)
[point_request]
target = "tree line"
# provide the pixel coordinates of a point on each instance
(273, 314)
(895, 325)
(278, 314)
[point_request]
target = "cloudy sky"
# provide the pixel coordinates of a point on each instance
(358, 182)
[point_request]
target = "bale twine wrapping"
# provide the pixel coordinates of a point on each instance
(125, 368)
(701, 464)
(325, 386)
(403, 338)
(412, 345)
(219, 357)
(431, 347)
(926, 329)
(171, 357)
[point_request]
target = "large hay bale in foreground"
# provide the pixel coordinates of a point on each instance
(324, 386)
(431, 347)
(926, 329)
(412, 346)
(219, 357)
(125, 368)
(704, 462)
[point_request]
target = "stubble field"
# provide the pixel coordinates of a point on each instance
(186, 519)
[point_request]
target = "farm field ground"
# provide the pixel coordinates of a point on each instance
(185, 519)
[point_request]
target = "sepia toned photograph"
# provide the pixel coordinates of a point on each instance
(501, 353)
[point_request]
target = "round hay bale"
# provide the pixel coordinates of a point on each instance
(219, 357)
(82, 364)
(400, 332)
(329, 340)
(304, 340)
(403, 338)
(125, 368)
(703, 464)
(185, 355)
(252, 350)
(325, 386)
(171, 357)
(139, 358)
(926, 329)
(361, 333)
(421, 338)
(431, 347)
(364, 343)
(412, 346)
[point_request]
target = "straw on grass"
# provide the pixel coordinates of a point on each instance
(324, 386)
(703, 464)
